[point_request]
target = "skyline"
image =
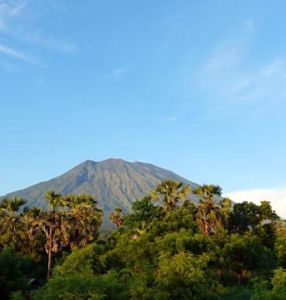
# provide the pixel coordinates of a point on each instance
(198, 91)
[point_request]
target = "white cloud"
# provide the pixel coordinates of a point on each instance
(12, 24)
(15, 54)
(277, 198)
(227, 78)
(10, 10)
(63, 44)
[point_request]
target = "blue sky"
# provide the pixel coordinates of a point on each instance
(198, 87)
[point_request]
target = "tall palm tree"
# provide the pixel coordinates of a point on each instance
(54, 225)
(71, 221)
(170, 193)
(11, 227)
(34, 240)
(84, 219)
(209, 211)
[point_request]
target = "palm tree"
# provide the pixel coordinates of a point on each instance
(225, 207)
(12, 205)
(54, 225)
(170, 193)
(116, 217)
(54, 200)
(208, 190)
(84, 219)
(71, 221)
(209, 211)
(11, 227)
(34, 240)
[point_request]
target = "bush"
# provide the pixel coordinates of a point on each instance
(14, 272)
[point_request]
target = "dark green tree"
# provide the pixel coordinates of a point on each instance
(15, 272)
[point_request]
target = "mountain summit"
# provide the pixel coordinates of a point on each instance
(114, 183)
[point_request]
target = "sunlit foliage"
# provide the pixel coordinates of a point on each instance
(167, 248)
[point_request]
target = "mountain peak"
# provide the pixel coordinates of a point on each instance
(114, 182)
(113, 161)
(89, 161)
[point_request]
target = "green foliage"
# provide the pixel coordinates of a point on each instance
(71, 221)
(248, 216)
(11, 223)
(170, 193)
(276, 290)
(244, 256)
(171, 249)
(237, 293)
(208, 190)
(280, 244)
(143, 212)
(73, 287)
(244, 216)
(14, 272)
(16, 296)
(86, 261)
(279, 282)
(80, 261)
(183, 276)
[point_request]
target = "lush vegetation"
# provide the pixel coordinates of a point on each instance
(167, 248)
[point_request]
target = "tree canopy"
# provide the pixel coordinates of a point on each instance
(167, 248)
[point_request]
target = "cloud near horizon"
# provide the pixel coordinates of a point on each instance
(277, 198)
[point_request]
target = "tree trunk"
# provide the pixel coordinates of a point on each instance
(50, 248)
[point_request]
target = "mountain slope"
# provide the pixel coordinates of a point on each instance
(114, 182)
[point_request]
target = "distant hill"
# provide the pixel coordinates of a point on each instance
(114, 183)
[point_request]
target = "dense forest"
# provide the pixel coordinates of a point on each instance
(167, 248)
